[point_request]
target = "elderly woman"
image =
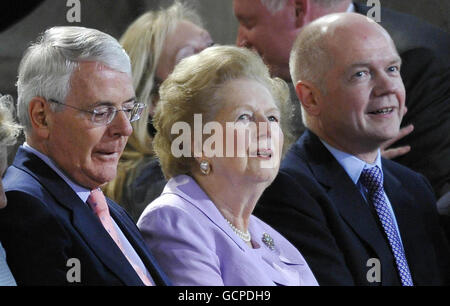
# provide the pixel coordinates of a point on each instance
(201, 229)
(9, 131)
(155, 42)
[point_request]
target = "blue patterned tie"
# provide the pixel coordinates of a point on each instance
(372, 179)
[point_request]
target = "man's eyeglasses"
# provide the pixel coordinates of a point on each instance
(105, 114)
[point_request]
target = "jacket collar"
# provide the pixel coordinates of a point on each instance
(348, 200)
(188, 189)
(343, 193)
(361, 8)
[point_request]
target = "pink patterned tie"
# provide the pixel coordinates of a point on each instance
(98, 204)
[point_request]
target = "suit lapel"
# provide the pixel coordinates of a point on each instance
(344, 194)
(132, 234)
(83, 219)
(187, 188)
(93, 232)
(409, 223)
(361, 8)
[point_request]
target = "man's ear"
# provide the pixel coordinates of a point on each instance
(301, 12)
(38, 111)
(309, 97)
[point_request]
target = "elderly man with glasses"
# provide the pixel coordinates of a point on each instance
(76, 101)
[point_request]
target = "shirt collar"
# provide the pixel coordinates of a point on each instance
(351, 8)
(351, 164)
(83, 193)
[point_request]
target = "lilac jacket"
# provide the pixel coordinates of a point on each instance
(195, 246)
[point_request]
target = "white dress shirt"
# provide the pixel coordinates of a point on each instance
(351, 8)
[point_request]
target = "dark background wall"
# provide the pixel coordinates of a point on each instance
(113, 16)
(436, 12)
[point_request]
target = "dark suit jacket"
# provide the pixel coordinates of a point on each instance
(45, 224)
(315, 204)
(425, 51)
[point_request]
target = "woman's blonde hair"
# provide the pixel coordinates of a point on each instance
(192, 89)
(9, 129)
(144, 42)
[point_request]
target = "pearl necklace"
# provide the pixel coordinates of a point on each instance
(244, 236)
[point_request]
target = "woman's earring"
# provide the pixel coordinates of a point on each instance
(205, 167)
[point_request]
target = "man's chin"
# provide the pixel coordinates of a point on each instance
(99, 178)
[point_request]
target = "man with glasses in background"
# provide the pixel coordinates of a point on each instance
(76, 101)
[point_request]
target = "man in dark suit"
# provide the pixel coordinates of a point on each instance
(359, 219)
(270, 27)
(75, 100)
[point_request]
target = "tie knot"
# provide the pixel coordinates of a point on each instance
(97, 201)
(372, 179)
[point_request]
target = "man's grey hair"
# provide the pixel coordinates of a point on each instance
(47, 66)
(277, 5)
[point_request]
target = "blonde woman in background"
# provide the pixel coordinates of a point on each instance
(155, 42)
(9, 131)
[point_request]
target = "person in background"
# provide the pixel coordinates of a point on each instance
(76, 101)
(271, 26)
(201, 229)
(359, 219)
(9, 130)
(156, 42)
